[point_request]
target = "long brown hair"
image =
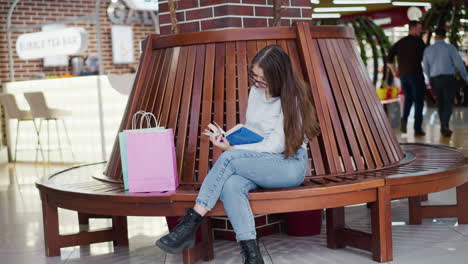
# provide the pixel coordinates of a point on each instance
(296, 99)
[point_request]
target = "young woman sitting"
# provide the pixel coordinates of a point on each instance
(280, 108)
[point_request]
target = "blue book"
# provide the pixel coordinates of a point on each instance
(237, 135)
(240, 135)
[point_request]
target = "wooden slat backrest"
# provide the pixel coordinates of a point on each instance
(316, 164)
(344, 109)
(114, 168)
(354, 109)
(376, 142)
(368, 136)
(219, 93)
(193, 141)
(378, 121)
(379, 111)
(182, 133)
(207, 106)
(322, 106)
(190, 80)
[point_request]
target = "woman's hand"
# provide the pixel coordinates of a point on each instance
(220, 141)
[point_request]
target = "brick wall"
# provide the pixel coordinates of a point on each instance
(199, 15)
(29, 12)
(193, 15)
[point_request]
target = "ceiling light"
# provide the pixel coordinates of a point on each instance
(360, 2)
(411, 4)
(329, 15)
(314, 1)
(340, 9)
(382, 21)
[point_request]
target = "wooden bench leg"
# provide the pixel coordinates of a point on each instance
(335, 223)
(189, 255)
(83, 219)
(379, 242)
(51, 228)
(202, 250)
(415, 216)
(207, 238)
(425, 197)
(119, 226)
(381, 221)
(462, 203)
(417, 211)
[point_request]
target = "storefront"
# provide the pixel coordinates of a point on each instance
(112, 50)
(59, 48)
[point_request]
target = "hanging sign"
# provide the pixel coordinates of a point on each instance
(122, 44)
(55, 61)
(118, 13)
(51, 43)
(143, 5)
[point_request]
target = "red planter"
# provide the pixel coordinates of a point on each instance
(305, 223)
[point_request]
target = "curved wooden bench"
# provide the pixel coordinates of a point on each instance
(80, 189)
(190, 79)
(76, 189)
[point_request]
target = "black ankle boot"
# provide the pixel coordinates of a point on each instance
(251, 252)
(183, 235)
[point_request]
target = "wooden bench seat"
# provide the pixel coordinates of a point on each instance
(424, 170)
(76, 189)
(189, 80)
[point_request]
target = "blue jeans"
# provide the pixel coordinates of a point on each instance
(445, 88)
(237, 172)
(414, 88)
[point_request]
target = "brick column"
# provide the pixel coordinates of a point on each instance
(199, 15)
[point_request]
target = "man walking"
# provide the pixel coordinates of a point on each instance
(409, 52)
(440, 62)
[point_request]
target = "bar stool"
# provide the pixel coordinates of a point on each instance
(14, 112)
(40, 110)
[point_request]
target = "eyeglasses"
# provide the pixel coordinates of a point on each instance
(258, 83)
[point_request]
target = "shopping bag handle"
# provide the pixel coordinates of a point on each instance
(148, 116)
(135, 116)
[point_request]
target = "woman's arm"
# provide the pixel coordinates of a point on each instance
(274, 143)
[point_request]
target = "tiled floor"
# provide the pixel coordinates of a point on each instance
(21, 239)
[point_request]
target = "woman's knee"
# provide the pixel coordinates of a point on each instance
(230, 154)
(226, 156)
(235, 186)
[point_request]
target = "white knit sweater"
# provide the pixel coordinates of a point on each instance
(264, 116)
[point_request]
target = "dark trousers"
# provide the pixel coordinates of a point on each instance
(444, 88)
(414, 88)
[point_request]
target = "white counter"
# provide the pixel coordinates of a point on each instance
(79, 95)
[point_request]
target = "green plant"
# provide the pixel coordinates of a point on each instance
(371, 41)
(384, 45)
(360, 38)
(368, 33)
(445, 13)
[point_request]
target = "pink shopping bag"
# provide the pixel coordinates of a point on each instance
(151, 161)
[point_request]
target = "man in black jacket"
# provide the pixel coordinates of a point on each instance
(409, 52)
